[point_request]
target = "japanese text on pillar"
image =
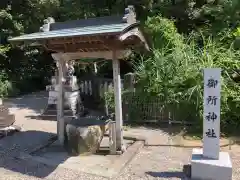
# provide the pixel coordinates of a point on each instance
(211, 100)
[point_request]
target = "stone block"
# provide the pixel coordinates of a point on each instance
(70, 84)
(52, 97)
(50, 88)
(6, 120)
(84, 135)
(210, 169)
(72, 101)
(129, 81)
(3, 110)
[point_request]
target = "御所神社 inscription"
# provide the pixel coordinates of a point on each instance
(211, 123)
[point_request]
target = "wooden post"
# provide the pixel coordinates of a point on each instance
(118, 101)
(60, 117)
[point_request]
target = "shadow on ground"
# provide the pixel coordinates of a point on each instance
(185, 174)
(168, 174)
(38, 154)
(42, 118)
(19, 152)
(186, 146)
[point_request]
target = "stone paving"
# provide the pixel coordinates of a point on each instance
(155, 161)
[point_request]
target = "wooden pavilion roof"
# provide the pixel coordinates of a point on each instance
(88, 35)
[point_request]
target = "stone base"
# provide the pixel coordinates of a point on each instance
(69, 96)
(84, 135)
(208, 169)
(72, 101)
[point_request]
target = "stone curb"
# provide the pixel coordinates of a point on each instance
(134, 137)
(124, 159)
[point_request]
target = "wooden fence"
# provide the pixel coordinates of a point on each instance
(92, 89)
(95, 87)
(135, 107)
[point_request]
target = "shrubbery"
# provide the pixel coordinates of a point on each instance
(174, 72)
(5, 85)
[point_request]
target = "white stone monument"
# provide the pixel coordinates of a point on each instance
(208, 163)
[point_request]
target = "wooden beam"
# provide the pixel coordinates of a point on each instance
(76, 47)
(80, 39)
(120, 54)
(72, 48)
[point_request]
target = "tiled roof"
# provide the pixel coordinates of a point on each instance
(89, 30)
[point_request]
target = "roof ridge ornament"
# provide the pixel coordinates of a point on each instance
(130, 15)
(46, 26)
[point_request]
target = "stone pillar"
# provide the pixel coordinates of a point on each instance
(129, 80)
(128, 84)
(209, 159)
(112, 138)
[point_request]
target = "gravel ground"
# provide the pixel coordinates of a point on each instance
(151, 163)
(147, 165)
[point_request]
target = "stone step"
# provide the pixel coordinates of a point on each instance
(51, 114)
(54, 107)
(54, 112)
(65, 87)
(53, 117)
(47, 117)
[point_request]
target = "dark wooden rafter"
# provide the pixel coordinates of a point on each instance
(82, 39)
(90, 43)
